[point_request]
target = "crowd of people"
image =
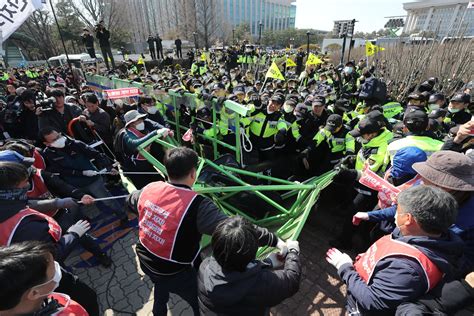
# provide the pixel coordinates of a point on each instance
(404, 182)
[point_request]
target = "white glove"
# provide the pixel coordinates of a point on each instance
(163, 132)
(293, 244)
(337, 258)
(274, 260)
(89, 173)
(358, 217)
(80, 228)
(281, 245)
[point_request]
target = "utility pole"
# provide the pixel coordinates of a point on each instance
(308, 33)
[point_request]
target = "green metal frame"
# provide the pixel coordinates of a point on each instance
(298, 198)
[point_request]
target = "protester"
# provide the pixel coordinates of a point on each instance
(103, 35)
(29, 276)
(172, 219)
(386, 275)
(232, 281)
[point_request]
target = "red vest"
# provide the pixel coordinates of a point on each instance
(39, 160)
(39, 191)
(69, 307)
(8, 227)
(161, 210)
(386, 247)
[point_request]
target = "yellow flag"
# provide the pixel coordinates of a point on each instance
(140, 61)
(371, 49)
(274, 72)
(290, 63)
(313, 60)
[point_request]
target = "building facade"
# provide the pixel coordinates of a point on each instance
(171, 18)
(440, 17)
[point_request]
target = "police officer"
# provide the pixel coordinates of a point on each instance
(416, 124)
(331, 144)
(159, 47)
(458, 112)
(151, 46)
(374, 137)
(265, 126)
(172, 219)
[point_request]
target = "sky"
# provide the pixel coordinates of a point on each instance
(321, 14)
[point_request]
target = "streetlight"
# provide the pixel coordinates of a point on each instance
(260, 27)
(233, 36)
(195, 40)
(308, 33)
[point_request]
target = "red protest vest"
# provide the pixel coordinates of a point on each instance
(161, 210)
(139, 134)
(387, 247)
(68, 306)
(8, 227)
(39, 190)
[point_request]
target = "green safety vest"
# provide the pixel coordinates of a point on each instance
(392, 109)
(336, 144)
(195, 69)
(374, 153)
(5, 77)
(29, 74)
(270, 128)
(224, 121)
(425, 143)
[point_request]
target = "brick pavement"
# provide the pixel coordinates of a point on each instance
(125, 288)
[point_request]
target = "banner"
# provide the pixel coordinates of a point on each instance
(274, 72)
(313, 60)
(122, 93)
(14, 12)
(470, 5)
(371, 49)
(290, 63)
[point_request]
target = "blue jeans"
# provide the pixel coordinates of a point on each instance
(183, 284)
(98, 190)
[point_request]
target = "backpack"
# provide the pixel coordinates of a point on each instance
(374, 89)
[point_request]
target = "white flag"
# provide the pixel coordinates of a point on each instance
(14, 12)
(470, 5)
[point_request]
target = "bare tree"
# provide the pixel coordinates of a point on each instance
(39, 27)
(207, 22)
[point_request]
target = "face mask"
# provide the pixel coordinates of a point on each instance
(140, 126)
(304, 94)
(151, 110)
(287, 108)
(453, 110)
(348, 70)
(59, 143)
(433, 107)
(56, 279)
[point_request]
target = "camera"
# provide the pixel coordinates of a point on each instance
(46, 104)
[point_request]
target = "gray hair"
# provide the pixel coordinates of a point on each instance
(434, 210)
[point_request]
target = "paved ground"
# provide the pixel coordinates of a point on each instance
(124, 289)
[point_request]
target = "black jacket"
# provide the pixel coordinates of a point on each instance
(103, 37)
(248, 293)
(52, 118)
(445, 299)
(88, 41)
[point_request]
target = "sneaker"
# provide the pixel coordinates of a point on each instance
(104, 260)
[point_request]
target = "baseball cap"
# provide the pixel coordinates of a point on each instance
(318, 101)
(239, 89)
(415, 120)
(461, 97)
(218, 86)
(279, 98)
(435, 97)
(369, 124)
(435, 114)
(333, 122)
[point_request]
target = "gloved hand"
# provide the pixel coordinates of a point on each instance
(281, 245)
(337, 258)
(280, 137)
(359, 217)
(348, 161)
(66, 202)
(293, 245)
(80, 228)
(89, 173)
(163, 132)
(274, 260)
